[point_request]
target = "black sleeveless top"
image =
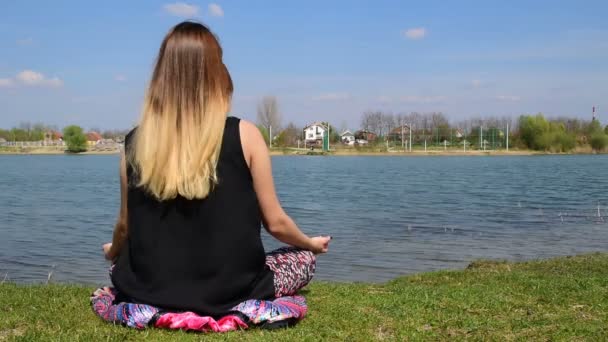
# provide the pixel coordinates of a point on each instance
(204, 255)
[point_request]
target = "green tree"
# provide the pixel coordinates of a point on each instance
(334, 135)
(264, 132)
(18, 134)
(538, 133)
(75, 139)
(5, 134)
(606, 129)
(599, 141)
(593, 128)
(289, 136)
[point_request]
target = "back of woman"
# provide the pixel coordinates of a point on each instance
(199, 255)
(196, 186)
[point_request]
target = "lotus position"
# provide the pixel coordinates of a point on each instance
(196, 187)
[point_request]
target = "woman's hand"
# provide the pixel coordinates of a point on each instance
(319, 244)
(106, 250)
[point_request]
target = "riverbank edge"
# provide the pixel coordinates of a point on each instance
(562, 298)
(345, 153)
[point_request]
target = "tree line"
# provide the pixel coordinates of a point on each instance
(535, 132)
(74, 136)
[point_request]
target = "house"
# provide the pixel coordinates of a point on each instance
(93, 138)
(365, 135)
(347, 138)
(53, 136)
(399, 133)
(2, 141)
(313, 133)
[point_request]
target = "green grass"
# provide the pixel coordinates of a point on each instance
(558, 299)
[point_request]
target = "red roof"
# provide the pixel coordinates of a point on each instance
(56, 135)
(93, 136)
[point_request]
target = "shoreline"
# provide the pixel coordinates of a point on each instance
(340, 153)
(564, 298)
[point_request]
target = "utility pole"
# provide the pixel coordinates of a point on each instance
(507, 137)
(410, 137)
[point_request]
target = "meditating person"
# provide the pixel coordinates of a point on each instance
(196, 187)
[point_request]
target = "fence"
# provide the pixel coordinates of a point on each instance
(41, 143)
(444, 138)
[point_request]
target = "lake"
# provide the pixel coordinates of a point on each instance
(389, 216)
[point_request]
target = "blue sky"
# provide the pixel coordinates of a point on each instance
(87, 63)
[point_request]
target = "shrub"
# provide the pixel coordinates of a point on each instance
(75, 139)
(599, 141)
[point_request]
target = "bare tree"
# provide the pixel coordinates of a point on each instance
(400, 119)
(366, 121)
(289, 136)
(389, 122)
(268, 113)
(438, 120)
(376, 123)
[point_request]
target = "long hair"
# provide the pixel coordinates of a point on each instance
(178, 140)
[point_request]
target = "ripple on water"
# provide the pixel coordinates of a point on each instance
(388, 216)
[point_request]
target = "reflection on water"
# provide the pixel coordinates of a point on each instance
(388, 216)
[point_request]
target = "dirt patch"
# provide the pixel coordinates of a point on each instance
(16, 332)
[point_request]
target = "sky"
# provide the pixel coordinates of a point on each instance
(88, 63)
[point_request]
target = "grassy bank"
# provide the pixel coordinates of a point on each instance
(558, 299)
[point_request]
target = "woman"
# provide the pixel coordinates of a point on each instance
(196, 187)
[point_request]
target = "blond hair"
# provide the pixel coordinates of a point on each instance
(178, 140)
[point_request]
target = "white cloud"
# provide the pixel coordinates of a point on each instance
(120, 78)
(332, 97)
(181, 9)
(32, 78)
(414, 33)
(216, 10)
(509, 98)
(6, 82)
(25, 42)
(476, 83)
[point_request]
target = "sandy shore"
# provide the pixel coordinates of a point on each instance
(415, 153)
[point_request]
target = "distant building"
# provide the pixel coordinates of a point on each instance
(365, 136)
(93, 138)
(2, 141)
(399, 133)
(347, 138)
(53, 136)
(314, 132)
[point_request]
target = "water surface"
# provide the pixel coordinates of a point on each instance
(389, 216)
